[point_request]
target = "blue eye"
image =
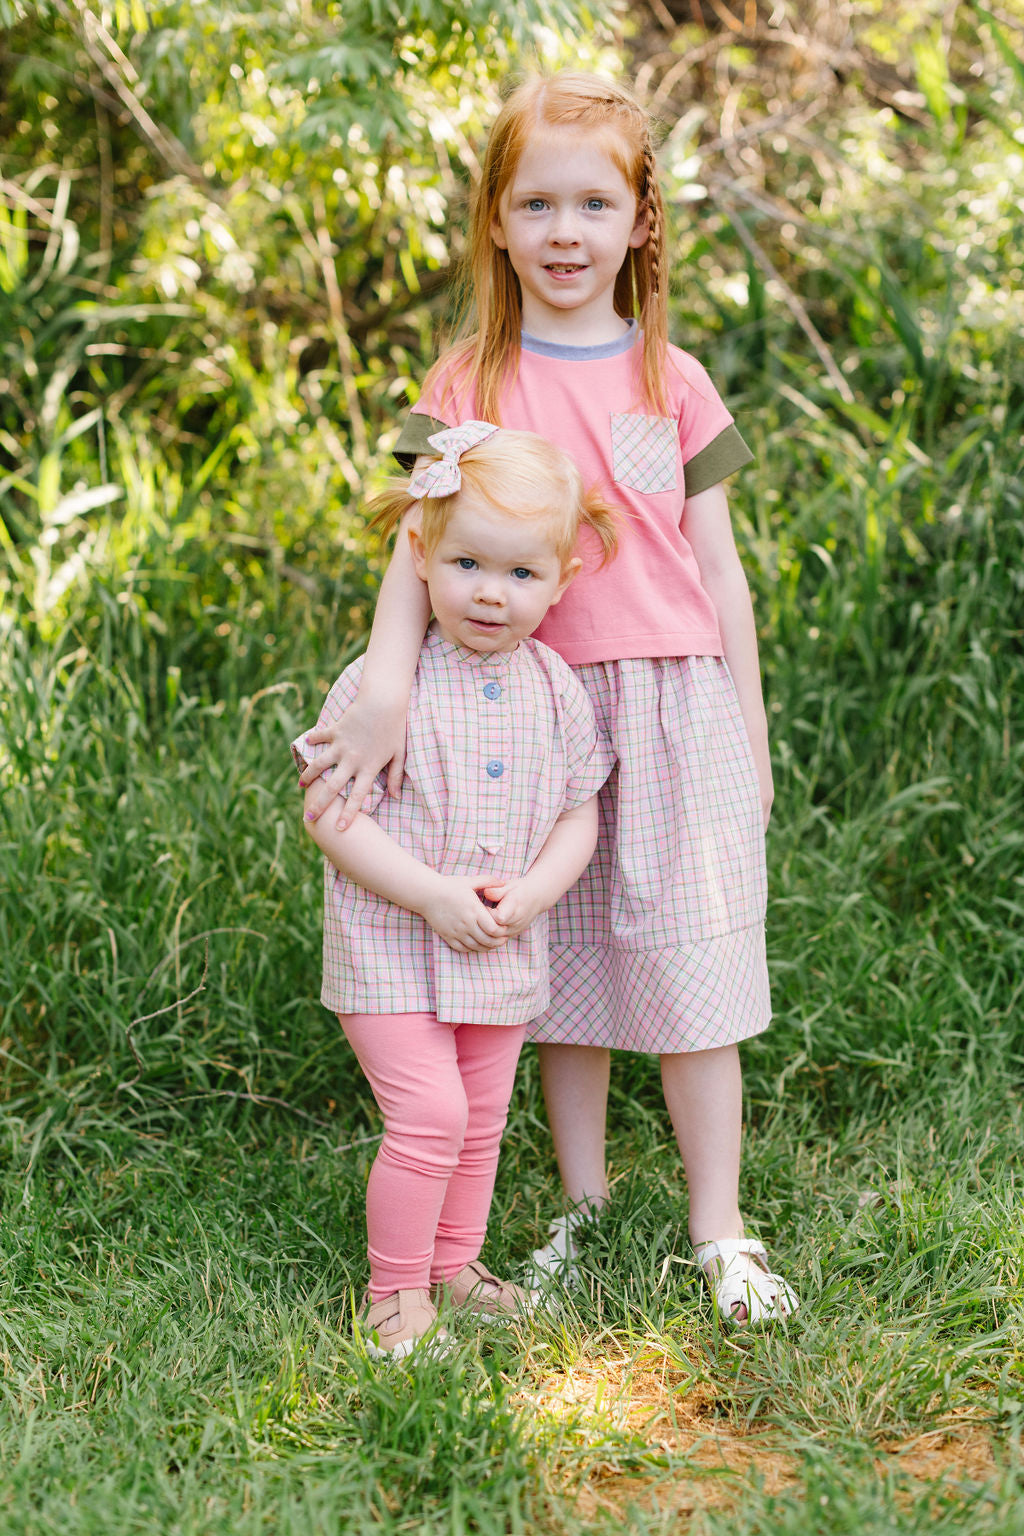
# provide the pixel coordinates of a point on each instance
(464, 563)
(521, 573)
(595, 204)
(535, 204)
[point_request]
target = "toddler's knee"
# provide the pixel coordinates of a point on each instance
(430, 1132)
(448, 1123)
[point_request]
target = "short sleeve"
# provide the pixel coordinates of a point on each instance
(723, 456)
(342, 694)
(710, 444)
(588, 755)
(447, 399)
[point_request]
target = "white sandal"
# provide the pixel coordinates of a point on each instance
(557, 1259)
(742, 1279)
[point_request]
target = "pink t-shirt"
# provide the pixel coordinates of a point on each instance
(648, 600)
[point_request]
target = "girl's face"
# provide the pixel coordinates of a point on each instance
(492, 577)
(567, 219)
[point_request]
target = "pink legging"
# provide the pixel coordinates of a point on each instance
(443, 1090)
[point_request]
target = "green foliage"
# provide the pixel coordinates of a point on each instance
(220, 228)
(225, 235)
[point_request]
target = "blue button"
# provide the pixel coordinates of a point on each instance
(492, 690)
(495, 768)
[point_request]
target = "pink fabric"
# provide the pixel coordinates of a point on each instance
(497, 748)
(660, 945)
(648, 601)
(444, 1092)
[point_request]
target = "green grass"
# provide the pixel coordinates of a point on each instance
(186, 1139)
(182, 1239)
(177, 1354)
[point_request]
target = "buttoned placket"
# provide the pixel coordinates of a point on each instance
(494, 766)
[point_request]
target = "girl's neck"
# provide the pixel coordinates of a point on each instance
(623, 343)
(574, 328)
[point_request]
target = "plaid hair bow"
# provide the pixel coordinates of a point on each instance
(444, 477)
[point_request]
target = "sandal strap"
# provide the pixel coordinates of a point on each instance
(476, 1287)
(397, 1305)
(507, 1295)
(726, 1248)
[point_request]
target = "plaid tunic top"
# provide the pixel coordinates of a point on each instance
(498, 746)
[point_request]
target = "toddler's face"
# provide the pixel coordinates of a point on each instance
(492, 577)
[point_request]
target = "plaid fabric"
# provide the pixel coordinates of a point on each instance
(644, 452)
(649, 600)
(497, 748)
(660, 945)
(444, 477)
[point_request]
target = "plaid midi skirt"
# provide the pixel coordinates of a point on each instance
(660, 945)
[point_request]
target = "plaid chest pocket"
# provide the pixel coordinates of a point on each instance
(644, 452)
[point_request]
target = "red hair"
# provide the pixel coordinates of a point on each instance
(477, 367)
(522, 476)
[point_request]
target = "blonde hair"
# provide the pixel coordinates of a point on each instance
(477, 367)
(521, 475)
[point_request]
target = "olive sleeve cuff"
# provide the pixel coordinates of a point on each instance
(412, 440)
(723, 456)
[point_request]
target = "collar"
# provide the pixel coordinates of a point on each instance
(496, 661)
(623, 343)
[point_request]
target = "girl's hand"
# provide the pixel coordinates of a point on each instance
(365, 740)
(763, 764)
(767, 801)
(518, 903)
(455, 912)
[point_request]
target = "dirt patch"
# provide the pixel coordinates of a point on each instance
(705, 1461)
(960, 1447)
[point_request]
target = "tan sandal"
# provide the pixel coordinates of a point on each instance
(477, 1290)
(391, 1329)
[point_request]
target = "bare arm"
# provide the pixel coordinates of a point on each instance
(707, 526)
(449, 903)
(371, 733)
(564, 857)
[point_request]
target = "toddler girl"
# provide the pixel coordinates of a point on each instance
(435, 942)
(660, 947)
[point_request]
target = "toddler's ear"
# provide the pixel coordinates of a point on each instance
(419, 554)
(569, 571)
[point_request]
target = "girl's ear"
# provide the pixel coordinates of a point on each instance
(641, 230)
(498, 234)
(419, 554)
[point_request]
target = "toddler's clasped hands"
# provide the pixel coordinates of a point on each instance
(473, 913)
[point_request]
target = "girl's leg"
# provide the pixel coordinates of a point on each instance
(411, 1063)
(575, 1083)
(487, 1058)
(704, 1095)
